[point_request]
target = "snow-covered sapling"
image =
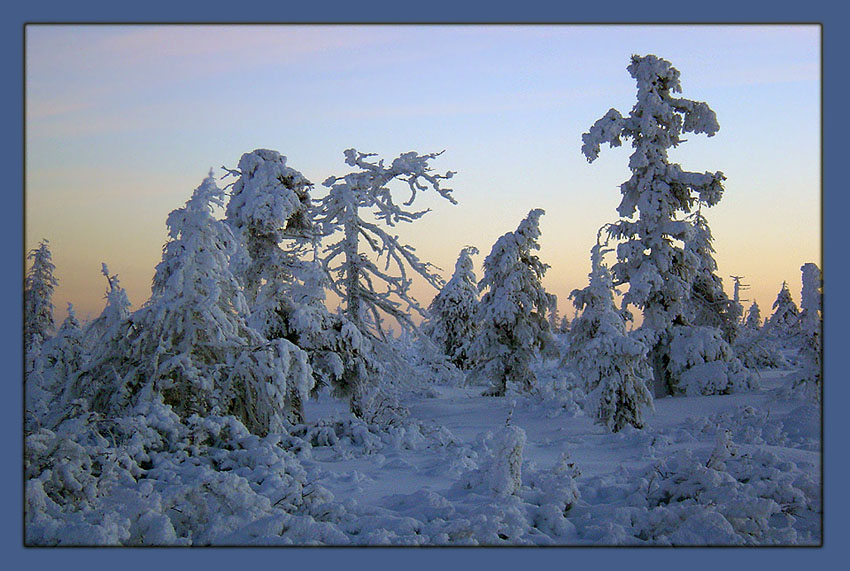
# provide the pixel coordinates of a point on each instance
(453, 314)
(513, 311)
(38, 296)
(612, 364)
(783, 324)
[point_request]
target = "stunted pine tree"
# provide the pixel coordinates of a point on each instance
(453, 314)
(38, 297)
(651, 257)
(190, 344)
(270, 211)
(356, 276)
(513, 311)
(612, 364)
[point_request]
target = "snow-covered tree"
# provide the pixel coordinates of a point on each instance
(269, 204)
(453, 314)
(754, 347)
(784, 323)
(59, 362)
(811, 325)
(652, 260)
(513, 311)
(612, 364)
(38, 297)
(190, 344)
(104, 329)
(710, 306)
(753, 319)
(355, 275)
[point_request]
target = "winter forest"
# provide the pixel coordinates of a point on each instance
(283, 386)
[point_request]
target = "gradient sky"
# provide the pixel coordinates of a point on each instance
(122, 122)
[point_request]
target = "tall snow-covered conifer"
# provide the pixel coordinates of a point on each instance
(453, 314)
(38, 297)
(612, 364)
(513, 311)
(355, 275)
(658, 270)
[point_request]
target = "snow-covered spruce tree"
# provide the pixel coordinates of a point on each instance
(353, 273)
(190, 344)
(270, 211)
(514, 324)
(104, 329)
(753, 318)
(783, 325)
(269, 204)
(810, 376)
(612, 364)
(710, 306)
(38, 297)
(61, 359)
(453, 314)
(658, 270)
(754, 347)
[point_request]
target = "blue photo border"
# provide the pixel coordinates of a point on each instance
(834, 263)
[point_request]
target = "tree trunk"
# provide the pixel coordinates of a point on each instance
(660, 376)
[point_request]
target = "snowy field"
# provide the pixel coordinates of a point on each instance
(452, 467)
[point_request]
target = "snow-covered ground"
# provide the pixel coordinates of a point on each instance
(414, 474)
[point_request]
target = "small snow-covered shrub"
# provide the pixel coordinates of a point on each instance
(705, 364)
(759, 498)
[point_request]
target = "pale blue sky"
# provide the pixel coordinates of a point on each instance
(124, 121)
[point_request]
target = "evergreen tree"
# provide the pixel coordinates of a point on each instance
(612, 364)
(190, 343)
(38, 297)
(104, 330)
(710, 306)
(810, 376)
(754, 347)
(659, 271)
(270, 212)
(783, 324)
(453, 314)
(355, 275)
(753, 319)
(60, 361)
(269, 204)
(514, 323)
